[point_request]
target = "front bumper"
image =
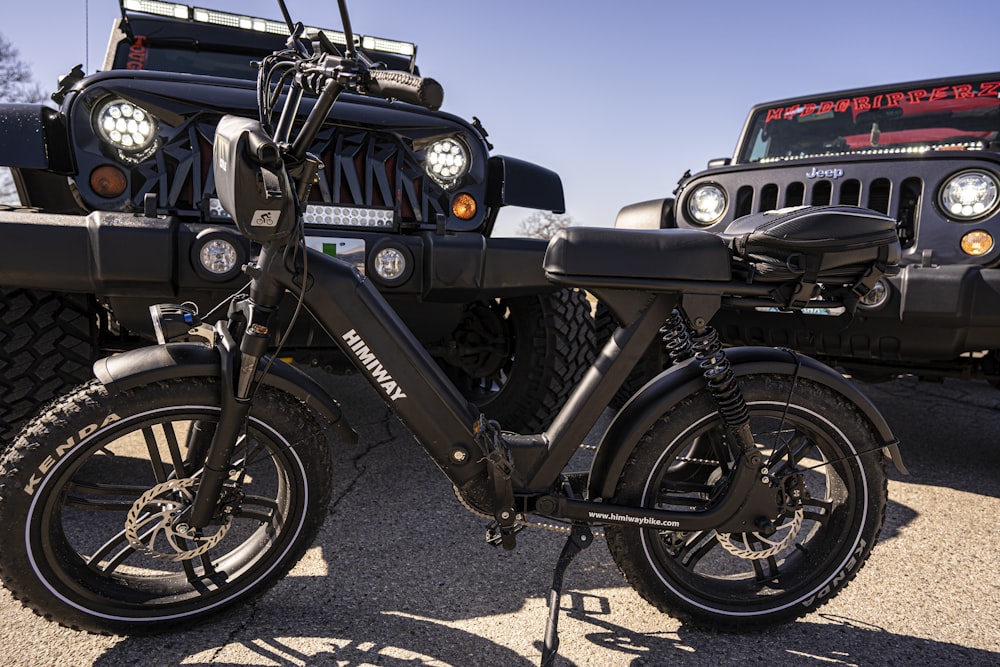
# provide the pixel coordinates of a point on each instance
(131, 261)
(933, 316)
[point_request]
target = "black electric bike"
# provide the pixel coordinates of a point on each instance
(740, 488)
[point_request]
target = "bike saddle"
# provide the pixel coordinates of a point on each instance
(577, 254)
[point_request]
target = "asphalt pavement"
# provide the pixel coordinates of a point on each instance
(400, 574)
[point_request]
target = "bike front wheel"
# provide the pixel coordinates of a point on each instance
(816, 446)
(95, 489)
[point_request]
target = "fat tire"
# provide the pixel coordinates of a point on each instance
(48, 343)
(553, 346)
(77, 437)
(815, 573)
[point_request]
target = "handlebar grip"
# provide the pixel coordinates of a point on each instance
(406, 87)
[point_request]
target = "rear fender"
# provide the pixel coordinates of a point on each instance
(672, 385)
(173, 360)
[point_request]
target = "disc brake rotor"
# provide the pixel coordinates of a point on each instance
(152, 519)
(755, 546)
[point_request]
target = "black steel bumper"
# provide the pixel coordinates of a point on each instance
(131, 261)
(932, 314)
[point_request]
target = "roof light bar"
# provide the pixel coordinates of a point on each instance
(243, 22)
(161, 8)
(214, 17)
(388, 46)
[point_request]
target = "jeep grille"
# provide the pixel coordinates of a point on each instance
(900, 200)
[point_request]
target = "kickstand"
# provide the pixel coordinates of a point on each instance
(579, 539)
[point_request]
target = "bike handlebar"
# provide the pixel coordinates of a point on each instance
(405, 87)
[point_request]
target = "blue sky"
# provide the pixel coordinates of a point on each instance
(618, 97)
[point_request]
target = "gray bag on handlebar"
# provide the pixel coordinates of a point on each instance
(248, 162)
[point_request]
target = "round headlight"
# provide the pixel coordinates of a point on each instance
(707, 203)
(446, 161)
(970, 195)
(125, 126)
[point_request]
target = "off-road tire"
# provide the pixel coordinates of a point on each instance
(696, 579)
(83, 470)
(48, 343)
(553, 344)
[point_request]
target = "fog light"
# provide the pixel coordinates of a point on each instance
(218, 255)
(977, 243)
(877, 296)
(390, 264)
(108, 181)
(463, 206)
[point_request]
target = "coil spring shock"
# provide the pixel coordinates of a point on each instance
(723, 385)
(676, 338)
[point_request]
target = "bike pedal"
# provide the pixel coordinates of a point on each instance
(496, 535)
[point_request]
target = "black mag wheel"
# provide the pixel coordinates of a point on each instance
(819, 448)
(93, 488)
(519, 358)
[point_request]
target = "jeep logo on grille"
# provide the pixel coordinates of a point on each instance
(825, 173)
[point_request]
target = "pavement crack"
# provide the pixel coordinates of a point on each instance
(382, 433)
(233, 636)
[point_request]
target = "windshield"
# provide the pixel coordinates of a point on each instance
(963, 115)
(141, 56)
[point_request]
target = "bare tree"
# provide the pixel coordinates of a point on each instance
(544, 224)
(16, 85)
(16, 81)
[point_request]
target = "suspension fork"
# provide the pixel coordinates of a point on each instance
(236, 385)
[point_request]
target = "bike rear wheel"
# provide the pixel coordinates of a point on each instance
(92, 492)
(815, 442)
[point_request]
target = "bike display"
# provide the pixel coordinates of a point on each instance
(740, 488)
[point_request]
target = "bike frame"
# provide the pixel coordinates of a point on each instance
(521, 473)
(354, 313)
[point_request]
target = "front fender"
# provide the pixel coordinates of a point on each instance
(673, 384)
(155, 363)
(33, 138)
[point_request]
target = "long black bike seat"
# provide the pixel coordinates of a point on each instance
(579, 254)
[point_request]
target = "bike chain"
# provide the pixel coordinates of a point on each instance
(168, 508)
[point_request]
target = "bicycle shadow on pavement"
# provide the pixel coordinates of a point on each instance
(837, 641)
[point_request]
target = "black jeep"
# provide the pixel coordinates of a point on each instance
(118, 211)
(928, 154)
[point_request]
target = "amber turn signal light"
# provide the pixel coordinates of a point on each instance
(463, 206)
(977, 243)
(108, 181)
